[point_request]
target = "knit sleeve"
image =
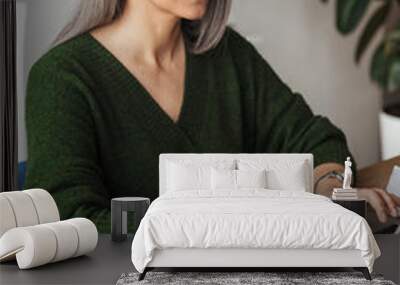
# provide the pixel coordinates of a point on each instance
(62, 151)
(282, 122)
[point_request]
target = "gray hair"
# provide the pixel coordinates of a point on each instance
(201, 35)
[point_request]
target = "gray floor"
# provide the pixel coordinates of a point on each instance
(106, 264)
(103, 266)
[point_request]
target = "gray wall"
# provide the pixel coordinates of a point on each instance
(299, 40)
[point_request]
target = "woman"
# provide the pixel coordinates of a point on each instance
(132, 79)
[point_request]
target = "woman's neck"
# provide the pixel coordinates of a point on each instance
(145, 32)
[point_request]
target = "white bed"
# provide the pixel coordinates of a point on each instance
(250, 227)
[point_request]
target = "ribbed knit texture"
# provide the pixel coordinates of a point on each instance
(95, 133)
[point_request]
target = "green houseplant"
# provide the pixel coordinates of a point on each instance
(382, 20)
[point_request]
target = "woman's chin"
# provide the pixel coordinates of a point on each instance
(193, 15)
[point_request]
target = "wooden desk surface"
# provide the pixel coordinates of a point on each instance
(102, 266)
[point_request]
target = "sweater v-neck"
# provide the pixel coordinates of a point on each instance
(146, 108)
(85, 110)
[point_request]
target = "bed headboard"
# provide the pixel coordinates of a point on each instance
(308, 158)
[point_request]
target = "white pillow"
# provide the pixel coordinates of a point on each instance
(213, 162)
(193, 174)
(237, 179)
(223, 179)
(188, 177)
(281, 174)
(251, 178)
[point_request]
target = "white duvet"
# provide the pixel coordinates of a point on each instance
(250, 219)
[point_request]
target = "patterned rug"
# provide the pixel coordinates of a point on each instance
(268, 278)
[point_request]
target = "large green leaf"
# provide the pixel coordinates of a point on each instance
(374, 23)
(392, 41)
(349, 14)
(378, 67)
(393, 81)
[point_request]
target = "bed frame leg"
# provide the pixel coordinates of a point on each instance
(143, 274)
(364, 271)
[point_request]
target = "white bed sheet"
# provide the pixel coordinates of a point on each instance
(251, 218)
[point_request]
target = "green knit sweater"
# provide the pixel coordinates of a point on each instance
(94, 132)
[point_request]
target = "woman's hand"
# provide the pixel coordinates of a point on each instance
(384, 203)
